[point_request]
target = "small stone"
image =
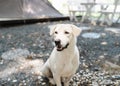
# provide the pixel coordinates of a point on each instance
(8, 79)
(1, 62)
(96, 69)
(23, 81)
(3, 37)
(116, 77)
(103, 34)
(43, 83)
(87, 70)
(85, 28)
(94, 83)
(34, 45)
(25, 84)
(117, 44)
(39, 77)
(37, 73)
(104, 43)
(14, 81)
(21, 68)
(9, 36)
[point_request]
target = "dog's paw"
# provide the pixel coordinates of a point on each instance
(52, 81)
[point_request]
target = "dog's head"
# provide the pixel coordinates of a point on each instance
(63, 34)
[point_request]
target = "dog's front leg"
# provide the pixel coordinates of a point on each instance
(57, 79)
(66, 82)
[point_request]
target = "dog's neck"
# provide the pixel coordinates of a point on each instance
(72, 44)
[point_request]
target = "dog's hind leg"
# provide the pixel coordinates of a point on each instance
(45, 71)
(52, 81)
(66, 81)
(57, 79)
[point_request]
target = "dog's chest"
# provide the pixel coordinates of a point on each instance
(64, 64)
(67, 69)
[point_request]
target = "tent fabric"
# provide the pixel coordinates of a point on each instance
(11, 9)
(27, 9)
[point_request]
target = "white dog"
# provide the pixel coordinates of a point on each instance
(64, 59)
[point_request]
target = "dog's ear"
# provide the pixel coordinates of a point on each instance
(52, 29)
(76, 30)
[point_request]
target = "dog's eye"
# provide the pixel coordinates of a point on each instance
(66, 32)
(56, 32)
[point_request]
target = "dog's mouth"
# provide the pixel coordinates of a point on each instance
(60, 47)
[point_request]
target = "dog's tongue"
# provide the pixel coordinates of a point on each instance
(59, 49)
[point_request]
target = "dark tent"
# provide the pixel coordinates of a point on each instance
(27, 9)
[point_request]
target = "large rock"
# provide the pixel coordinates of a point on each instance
(114, 30)
(85, 28)
(91, 35)
(15, 54)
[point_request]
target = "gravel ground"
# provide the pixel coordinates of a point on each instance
(100, 58)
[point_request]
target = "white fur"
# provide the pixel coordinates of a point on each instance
(62, 65)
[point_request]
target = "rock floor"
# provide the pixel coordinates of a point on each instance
(25, 48)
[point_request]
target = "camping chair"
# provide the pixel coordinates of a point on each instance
(73, 7)
(90, 8)
(118, 10)
(118, 13)
(107, 11)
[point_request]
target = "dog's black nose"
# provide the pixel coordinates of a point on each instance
(57, 42)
